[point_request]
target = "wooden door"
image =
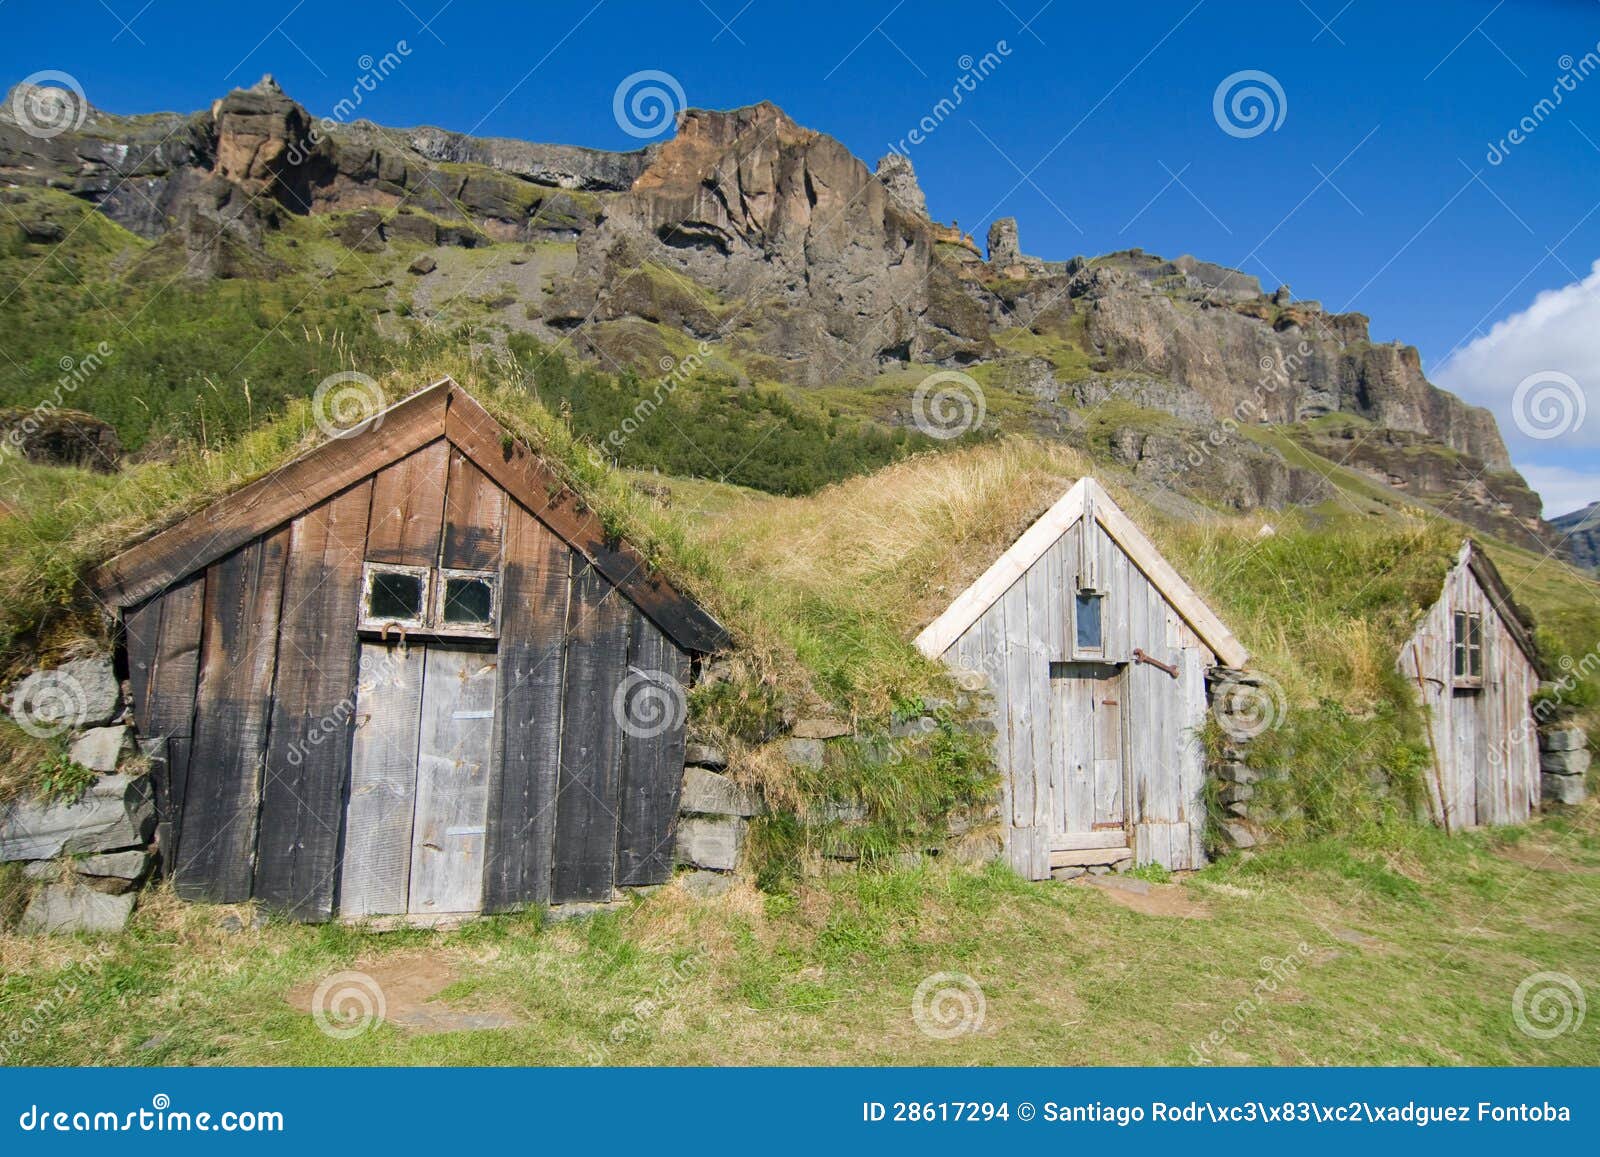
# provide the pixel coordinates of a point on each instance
(1086, 716)
(375, 879)
(455, 749)
(419, 781)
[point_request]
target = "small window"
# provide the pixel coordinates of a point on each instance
(1088, 622)
(1468, 649)
(394, 595)
(467, 600)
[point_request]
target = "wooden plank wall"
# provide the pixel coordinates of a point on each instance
(537, 587)
(162, 637)
(249, 670)
(1026, 630)
(1485, 744)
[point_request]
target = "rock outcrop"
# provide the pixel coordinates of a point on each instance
(774, 243)
(1580, 531)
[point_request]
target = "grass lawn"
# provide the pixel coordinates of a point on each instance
(1406, 948)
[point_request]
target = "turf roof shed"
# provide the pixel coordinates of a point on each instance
(408, 674)
(1476, 668)
(1097, 652)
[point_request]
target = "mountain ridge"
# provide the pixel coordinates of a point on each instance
(774, 245)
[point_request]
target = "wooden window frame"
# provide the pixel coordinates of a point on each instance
(1087, 654)
(489, 630)
(435, 581)
(1463, 651)
(369, 571)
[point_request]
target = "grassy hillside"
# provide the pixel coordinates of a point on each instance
(1335, 952)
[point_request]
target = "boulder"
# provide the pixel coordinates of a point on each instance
(712, 844)
(57, 437)
(1239, 835)
(1575, 763)
(114, 813)
(806, 753)
(67, 908)
(705, 755)
(113, 872)
(707, 793)
(99, 747)
(1562, 788)
(1563, 739)
(81, 693)
(819, 729)
(422, 265)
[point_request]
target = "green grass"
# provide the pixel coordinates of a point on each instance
(1402, 947)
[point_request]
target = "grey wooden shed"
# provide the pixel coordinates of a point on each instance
(1097, 653)
(1476, 668)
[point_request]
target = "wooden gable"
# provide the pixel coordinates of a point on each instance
(1087, 501)
(443, 414)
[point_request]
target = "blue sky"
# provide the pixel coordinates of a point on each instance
(1376, 191)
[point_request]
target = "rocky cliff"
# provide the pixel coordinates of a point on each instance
(800, 265)
(1581, 532)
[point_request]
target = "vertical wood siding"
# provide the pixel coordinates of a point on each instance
(250, 669)
(1015, 642)
(1485, 746)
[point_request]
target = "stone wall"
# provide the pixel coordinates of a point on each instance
(86, 854)
(1563, 763)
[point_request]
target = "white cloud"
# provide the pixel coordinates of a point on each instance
(1557, 337)
(1538, 370)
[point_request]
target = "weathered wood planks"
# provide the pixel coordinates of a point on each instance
(162, 638)
(653, 757)
(308, 759)
(375, 868)
(233, 703)
(475, 515)
(408, 508)
(538, 587)
(592, 740)
(454, 753)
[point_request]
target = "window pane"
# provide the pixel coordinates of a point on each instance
(395, 596)
(1461, 660)
(1089, 632)
(468, 601)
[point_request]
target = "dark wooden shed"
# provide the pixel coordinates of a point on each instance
(408, 674)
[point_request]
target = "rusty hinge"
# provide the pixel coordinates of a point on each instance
(1169, 668)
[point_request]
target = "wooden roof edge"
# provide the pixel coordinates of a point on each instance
(969, 606)
(1519, 623)
(1194, 610)
(1085, 494)
(440, 410)
(530, 480)
(173, 551)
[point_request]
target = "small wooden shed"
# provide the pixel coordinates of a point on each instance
(1476, 668)
(408, 674)
(1096, 652)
